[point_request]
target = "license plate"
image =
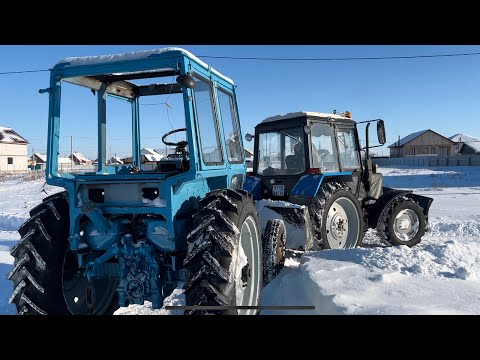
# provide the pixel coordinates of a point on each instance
(278, 190)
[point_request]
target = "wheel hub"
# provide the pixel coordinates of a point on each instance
(246, 274)
(406, 225)
(342, 224)
(338, 224)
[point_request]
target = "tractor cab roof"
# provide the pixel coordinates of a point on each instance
(300, 118)
(117, 71)
(136, 56)
(309, 114)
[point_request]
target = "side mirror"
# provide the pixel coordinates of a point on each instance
(249, 137)
(186, 81)
(382, 139)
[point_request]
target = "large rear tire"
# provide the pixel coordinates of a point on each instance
(45, 277)
(224, 257)
(402, 222)
(337, 217)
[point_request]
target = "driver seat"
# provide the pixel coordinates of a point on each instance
(296, 162)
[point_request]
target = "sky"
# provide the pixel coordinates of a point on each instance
(408, 94)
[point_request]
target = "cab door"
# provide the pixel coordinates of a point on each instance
(349, 155)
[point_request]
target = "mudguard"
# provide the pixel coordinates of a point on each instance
(253, 185)
(388, 196)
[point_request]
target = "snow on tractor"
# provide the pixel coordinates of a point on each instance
(309, 170)
(125, 232)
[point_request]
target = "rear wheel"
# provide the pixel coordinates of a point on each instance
(45, 276)
(338, 218)
(224, 257)
(402, 222)
(273, 243)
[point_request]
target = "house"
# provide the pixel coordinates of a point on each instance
(166, 151)
(425, 142)
(465, 144)
(38, 158)
(13, 150)
(79, 159)
(114, 160)
(37, 161)
(149, 156)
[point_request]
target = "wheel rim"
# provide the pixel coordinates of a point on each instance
(342, 224)
(247, 275)
(74, 285)
(406, 225)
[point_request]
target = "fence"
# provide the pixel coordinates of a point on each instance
(429, 161)
(65, 168)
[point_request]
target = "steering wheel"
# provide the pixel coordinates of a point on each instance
(182, 143)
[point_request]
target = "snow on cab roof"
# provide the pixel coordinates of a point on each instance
(304, 113)
(136, 55)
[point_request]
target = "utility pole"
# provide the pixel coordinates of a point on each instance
(398, 147)
(71, 153)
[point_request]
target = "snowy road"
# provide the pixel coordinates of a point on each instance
(441, 275)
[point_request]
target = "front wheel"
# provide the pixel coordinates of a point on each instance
(402, 222)
(273, 242)
(224, 256)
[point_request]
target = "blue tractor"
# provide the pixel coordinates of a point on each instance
(124, 233)
(309, 169)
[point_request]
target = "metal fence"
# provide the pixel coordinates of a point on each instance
(429, 161)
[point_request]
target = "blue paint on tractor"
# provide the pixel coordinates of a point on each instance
(308, 185)
(116, 231)
(254, 186)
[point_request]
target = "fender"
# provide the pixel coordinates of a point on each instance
(308, 186)
(253, 185)
(388, 196)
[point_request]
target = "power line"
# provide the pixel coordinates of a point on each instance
(339, 59)
(22, 71)
(291, 59)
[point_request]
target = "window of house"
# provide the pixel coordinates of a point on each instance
(10, 161)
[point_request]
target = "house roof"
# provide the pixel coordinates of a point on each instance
(157, 157)
(80, 156)
(248, 152)
(148, 151)
(408, 138)
(42, 157)
(114, 160)
(468, 140)
(9, 136)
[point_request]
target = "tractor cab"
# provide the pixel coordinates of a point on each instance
(296, 144)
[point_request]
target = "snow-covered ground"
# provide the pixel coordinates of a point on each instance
(441, 275)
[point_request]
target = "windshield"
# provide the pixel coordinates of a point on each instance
(281, 152)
